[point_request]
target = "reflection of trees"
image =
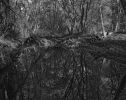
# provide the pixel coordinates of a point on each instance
(63, 66)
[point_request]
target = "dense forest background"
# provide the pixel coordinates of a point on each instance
(62, 49)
